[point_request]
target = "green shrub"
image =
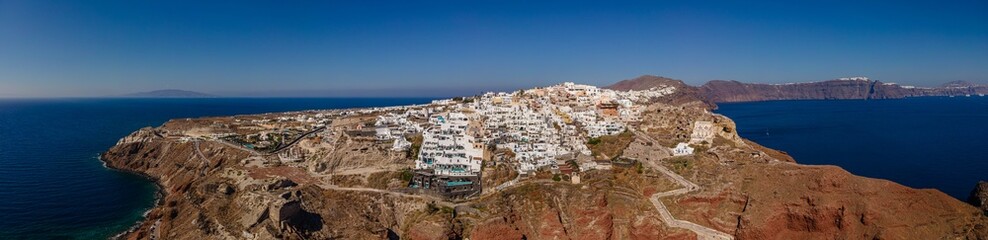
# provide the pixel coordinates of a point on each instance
(406, 175)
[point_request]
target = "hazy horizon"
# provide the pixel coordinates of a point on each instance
(86, 49)
(411, 92)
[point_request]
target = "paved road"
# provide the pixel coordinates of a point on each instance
(701, 231)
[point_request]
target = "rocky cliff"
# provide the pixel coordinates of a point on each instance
(718, 91)
(734, 91)
(979, 196)
(215, 190)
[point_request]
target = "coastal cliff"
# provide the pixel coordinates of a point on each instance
(353, 187)
(734, 91)
(979, 196)
(722, 91)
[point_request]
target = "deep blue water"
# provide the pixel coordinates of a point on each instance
(52, 186)
(926, 142)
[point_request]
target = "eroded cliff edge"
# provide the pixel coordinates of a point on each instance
(215, 190)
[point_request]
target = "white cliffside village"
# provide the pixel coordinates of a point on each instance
(537, 126)
(449, 148)
(452, 140)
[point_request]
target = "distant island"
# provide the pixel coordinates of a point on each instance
(169, 93)
(721, 91)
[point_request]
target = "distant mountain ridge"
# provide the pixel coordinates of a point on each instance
(170, 93)
(720, 91)
(960, 84)
(645, 82)
(684, 93)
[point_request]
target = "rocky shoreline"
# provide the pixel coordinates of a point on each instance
(159, 196)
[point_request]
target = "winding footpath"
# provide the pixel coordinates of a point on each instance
(205, 160)
(701, 231)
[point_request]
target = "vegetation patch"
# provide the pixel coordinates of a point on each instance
(606, 147)
(681, 164)
(416, 140)
(406, 175)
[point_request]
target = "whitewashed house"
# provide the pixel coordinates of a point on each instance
(682, 149)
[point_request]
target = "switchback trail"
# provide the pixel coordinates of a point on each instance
(701, 231)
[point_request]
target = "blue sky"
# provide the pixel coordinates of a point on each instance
(86, 48)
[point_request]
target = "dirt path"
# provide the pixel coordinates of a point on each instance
(205, 161)
(297, 139)
(701, 231)
(437, 200)
(506, 184)
(365, 170)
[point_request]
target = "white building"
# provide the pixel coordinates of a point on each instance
(603, 128)
(682, 149)
(448, 149)
(537, 125)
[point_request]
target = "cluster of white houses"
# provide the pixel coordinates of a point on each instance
(538, 126)
(531, 129)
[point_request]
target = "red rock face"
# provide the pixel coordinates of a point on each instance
(734, 91)
(497, 229)
(831, 203)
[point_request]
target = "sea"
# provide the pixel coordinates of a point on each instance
(925, 142)
(52, 184)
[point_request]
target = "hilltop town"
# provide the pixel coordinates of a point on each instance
(565, 161)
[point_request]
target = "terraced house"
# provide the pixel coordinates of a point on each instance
(449, 160)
